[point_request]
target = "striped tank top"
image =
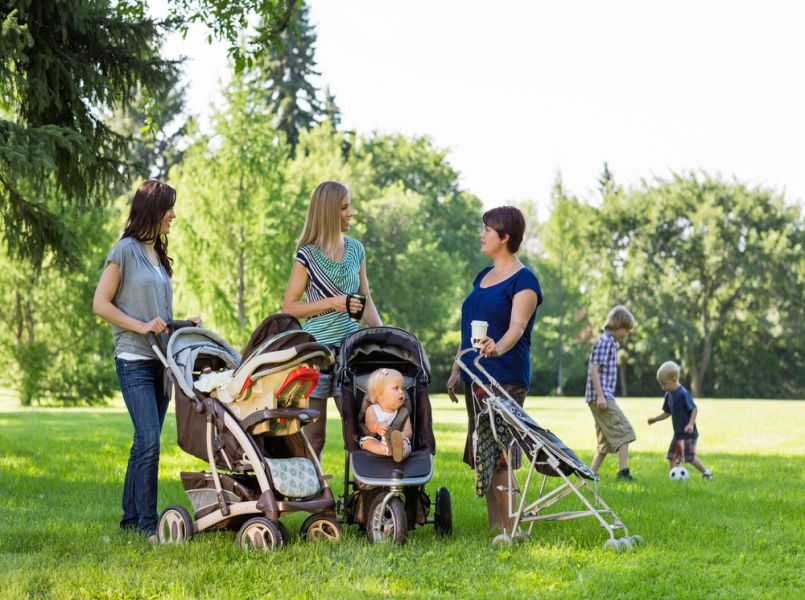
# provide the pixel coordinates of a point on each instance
(327, 278)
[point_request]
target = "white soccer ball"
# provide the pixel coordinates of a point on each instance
(678, 474)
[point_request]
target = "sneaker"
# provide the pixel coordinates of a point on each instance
(624, 475)
(396, 444)
(708, 475)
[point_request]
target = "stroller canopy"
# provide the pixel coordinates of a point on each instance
(187, 344)
(389, 340)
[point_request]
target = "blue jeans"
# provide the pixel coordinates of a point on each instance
(141, 382)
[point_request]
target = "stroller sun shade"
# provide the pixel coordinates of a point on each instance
(386, 340)
(188, 344)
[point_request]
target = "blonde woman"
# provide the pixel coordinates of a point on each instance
(329, 269)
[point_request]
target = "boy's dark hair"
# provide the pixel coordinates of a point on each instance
(507, 220)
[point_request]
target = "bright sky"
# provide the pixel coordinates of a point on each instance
(520, 90)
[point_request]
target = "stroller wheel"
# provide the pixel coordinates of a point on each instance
(443, 517)
(615, 545)
(637, 540)
(391, 525)
(175, 525)
(625, 543)
(283, 532)
(260, 533)
(503, 539)
(320, 527)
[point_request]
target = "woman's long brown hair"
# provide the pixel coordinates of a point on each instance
(151, 201)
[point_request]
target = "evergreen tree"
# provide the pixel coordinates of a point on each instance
(281, 77)
(64, 62)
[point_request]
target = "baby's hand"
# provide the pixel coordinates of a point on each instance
(381, 429)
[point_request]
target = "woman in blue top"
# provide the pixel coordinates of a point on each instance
(135, 296)
(506, 296)
(328, 268)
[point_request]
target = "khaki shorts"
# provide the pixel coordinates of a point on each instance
(611, 427)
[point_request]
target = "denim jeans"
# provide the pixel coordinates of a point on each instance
(141, 382)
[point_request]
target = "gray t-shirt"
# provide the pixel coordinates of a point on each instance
(143, 293)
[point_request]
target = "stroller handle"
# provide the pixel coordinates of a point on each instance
(172, 325)
(490, 384)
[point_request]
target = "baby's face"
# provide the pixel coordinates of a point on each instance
(393, 395)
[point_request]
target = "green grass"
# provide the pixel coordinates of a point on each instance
(740, 535)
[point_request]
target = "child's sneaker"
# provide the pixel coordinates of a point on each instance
(624, 475)
(708, 475)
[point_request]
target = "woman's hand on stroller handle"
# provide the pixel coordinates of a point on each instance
(158, 325)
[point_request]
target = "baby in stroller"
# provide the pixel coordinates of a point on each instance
(387, 498)
(386, 417)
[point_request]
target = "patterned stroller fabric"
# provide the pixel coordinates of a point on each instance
(529, 436)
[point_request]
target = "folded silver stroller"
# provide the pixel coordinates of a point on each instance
(510, 428)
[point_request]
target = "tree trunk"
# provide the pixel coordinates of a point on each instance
(241, 279)
(560, 372)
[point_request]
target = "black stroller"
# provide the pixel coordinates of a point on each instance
(244, 418)
(504, 425)
(385, 498)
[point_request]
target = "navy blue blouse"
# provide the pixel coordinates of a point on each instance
(494, 305)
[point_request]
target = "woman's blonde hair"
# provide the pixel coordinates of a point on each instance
(668, 369)
(374, 387)
(620, 318)
(323, 222)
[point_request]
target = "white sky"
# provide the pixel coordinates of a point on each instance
(519, 90)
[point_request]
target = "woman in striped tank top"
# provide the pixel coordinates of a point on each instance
(329, 266)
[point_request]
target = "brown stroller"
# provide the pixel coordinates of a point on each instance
(244, 417)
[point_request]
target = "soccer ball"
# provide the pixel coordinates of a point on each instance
(678, 474)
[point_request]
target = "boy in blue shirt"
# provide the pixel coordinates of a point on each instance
(679, 406)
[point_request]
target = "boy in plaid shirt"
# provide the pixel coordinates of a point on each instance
(612, 428)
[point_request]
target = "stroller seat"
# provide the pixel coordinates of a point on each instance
(373, 469)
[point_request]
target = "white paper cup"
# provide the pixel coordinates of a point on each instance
(478, 332)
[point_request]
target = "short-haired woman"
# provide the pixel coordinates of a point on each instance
(135, 295)
(506, 296)
(329, 268)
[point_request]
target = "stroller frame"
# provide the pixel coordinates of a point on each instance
(260, 515)
(532, 512)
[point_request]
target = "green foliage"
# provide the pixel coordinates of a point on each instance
(280, 78)
(52, 343)
(711, 269)
(63, 63)
(61, 473)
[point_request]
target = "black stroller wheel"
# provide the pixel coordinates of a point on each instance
(286, 537)
(260, 533)
(175, 525)
(443, 516)
(321, 528)
(391, 525)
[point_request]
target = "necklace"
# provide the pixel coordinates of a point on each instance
(510, 269)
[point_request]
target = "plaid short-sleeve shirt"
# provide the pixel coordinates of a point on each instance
(605, 355)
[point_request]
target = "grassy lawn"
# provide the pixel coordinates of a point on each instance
(739, 536)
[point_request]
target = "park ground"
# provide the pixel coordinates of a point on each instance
(738, 536)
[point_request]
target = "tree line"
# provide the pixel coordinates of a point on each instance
(712, 269)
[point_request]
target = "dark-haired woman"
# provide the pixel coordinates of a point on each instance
(506, 296)
(135, 296)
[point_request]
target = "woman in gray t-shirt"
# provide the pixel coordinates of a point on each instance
(135, 296)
